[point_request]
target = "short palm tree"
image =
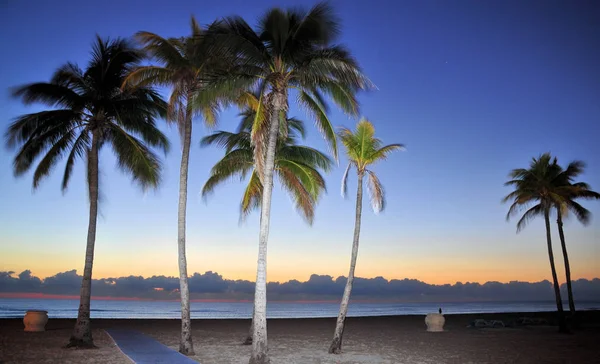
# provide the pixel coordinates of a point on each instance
(566, 192)
(183, 65)
(90, 111)
(537, 186)
(291, 51)
(363, 150)
(296, 166)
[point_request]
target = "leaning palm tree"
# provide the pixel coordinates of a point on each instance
(291, 51)
(537, 186)
(89, 111)
(296, 166)
(363, 150)
(566, 191)
(183, 65)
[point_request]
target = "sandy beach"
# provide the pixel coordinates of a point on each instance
(395, 339)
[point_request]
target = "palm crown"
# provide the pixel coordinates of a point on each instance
(296, 166)
(90, 107)
(363, 149)
(183, 64)
(292, 50)
(546, 184)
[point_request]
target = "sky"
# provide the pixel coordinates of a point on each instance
(473, 89)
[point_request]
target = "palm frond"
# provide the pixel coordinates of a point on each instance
(227, 140)
(161, 49)
(135, 158)
(305, 155)
(78, 150)
(582, 214)
(196, 28)
(319, 25)
(298, 191)
(343, 96)
(235, 163)
(529, 215)
(376, 192)
(345, 181)
(309, 177)
(383, 152)
(317, 111)
(52, 156)
(29, 127)
(296, 126)
(260, 134)
(149, 75)
(252, 197)
(54, 95)
(70, 76)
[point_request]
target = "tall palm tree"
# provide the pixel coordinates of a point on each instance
(363, 150)
(183, 65)
(89, 111)
(291, 51)
(537, 186)
(566, 191)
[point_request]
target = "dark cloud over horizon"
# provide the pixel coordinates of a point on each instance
(318, 287)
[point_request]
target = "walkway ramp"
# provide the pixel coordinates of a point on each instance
(142, 349)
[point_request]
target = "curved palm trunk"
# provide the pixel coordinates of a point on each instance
(259, 317)
(186, 346)
(82, 333)
(563, 244)
(562, 326)
(336, 344)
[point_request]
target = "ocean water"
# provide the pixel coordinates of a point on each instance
(64, 308)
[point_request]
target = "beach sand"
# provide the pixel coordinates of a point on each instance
(395, 339)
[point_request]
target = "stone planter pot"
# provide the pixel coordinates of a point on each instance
(35, 320)
(435, 322)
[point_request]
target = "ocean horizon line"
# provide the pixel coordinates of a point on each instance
(41, 296)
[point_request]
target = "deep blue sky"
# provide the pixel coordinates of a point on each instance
(472, 88)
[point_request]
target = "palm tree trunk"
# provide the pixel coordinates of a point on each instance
(259, 318)
(82, 333)
(563, 244)
(336, 344)
(186, 346)
(248, 340)
(562, 326)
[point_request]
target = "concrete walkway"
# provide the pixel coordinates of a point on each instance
(142, 349)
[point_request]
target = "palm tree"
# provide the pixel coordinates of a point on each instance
(538, 186)
(296, 166)
(566, 192)
(291, 51)
(183, 65)
(90, 110)
(363, 150)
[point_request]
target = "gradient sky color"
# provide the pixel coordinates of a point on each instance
(472, 88)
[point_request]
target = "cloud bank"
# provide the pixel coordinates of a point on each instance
(211, 285)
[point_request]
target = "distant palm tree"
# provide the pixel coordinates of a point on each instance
(291, 51)
(184, 65)
(566, 192)
(363, 150)
(538, 186)
(90, 110)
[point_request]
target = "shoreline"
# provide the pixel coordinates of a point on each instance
(592, 315)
